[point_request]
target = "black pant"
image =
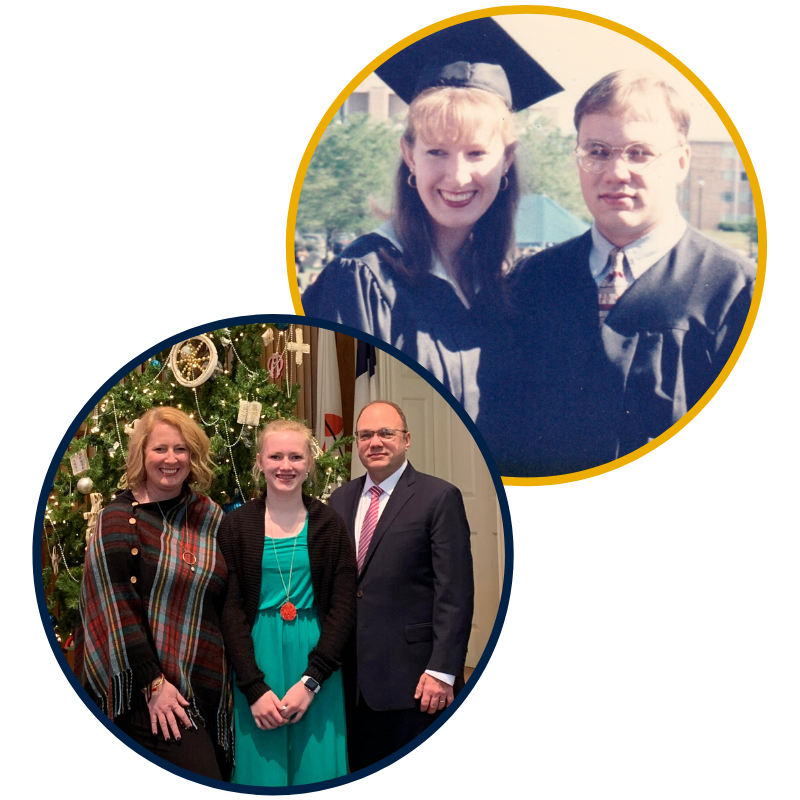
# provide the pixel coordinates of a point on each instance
(196, 751)
(373, 735)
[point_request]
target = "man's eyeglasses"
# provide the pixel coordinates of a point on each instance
(382, 433)
(594, 157)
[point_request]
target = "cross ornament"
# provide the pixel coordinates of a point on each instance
(297, 346)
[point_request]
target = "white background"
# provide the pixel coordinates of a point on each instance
(148, 156)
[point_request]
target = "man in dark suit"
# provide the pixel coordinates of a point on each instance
(633, 322)
(415, 590)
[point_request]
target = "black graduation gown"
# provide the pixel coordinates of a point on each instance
(422, 317)
(593, 394)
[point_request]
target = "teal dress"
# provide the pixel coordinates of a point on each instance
(314, 749)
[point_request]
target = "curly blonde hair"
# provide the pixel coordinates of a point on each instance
(278, 426)
(201, 472)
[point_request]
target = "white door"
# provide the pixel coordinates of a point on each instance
(441, 445)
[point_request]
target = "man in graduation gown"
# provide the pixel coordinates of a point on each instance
(632, 322)
(414, 595)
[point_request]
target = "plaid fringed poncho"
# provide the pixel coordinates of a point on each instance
(144, 610)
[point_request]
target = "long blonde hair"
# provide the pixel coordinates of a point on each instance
(451, 113)
(201, 472)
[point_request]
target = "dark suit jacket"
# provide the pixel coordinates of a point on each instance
(415, 593)
(585, 395)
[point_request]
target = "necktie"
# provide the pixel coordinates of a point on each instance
(368, 526)
(613, 285)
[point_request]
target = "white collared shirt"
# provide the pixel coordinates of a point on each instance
(388, 486)
(437, 268)
(641, 254)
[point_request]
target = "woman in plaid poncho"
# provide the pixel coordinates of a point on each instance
(149, 647)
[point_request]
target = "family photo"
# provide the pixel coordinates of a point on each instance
(273, 555)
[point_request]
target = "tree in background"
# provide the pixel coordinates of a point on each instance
(240, 377)
(547, 163)
(356, 159)
(354, 163)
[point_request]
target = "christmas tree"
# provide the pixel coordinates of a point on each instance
(231, 381)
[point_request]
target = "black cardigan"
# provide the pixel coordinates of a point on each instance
(333, 578)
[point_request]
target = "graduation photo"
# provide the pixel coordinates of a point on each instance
(525, 216)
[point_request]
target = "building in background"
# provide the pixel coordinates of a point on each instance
(717, 188)
(380, 101)
(375, 98)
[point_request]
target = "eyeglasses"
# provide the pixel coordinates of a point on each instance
(594, 157)
(382, 433)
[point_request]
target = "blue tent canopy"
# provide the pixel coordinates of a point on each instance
(540, 220)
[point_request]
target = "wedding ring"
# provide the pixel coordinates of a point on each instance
(284, 708)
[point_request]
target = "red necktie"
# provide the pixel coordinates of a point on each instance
(613, 285)
(368, 526)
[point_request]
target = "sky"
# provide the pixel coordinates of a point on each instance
(577, 53)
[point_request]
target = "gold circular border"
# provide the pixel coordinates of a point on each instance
(658, 50)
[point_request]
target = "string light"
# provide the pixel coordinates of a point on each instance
(116, 423)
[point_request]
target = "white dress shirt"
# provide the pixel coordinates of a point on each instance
(387, 487)
(641, 254)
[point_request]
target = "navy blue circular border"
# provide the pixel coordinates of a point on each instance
(248, 320)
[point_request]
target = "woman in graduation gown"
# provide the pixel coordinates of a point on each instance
(289, 612)
(431, 281)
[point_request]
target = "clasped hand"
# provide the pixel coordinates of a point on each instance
(270, 713)
(166, 709)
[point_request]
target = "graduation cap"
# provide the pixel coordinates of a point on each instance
(476, 53)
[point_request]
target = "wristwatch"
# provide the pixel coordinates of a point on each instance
(310, 684)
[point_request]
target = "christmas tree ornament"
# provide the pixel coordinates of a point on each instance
(234, 504)
(282, 326)
(131, 427)
(85, 485)
(298, 347)
(275, 365)
(71, 525)
(193, 362)
(92, 516)
(249, 412)
(79, 462)
(54, 560)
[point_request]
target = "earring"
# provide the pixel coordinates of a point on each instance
(504, 186)
(411, 180)
(307, 474)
